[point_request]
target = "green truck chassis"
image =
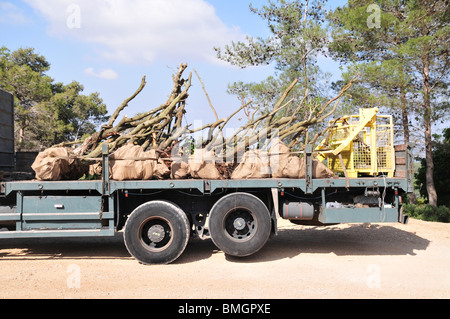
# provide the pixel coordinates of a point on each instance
(159, 216)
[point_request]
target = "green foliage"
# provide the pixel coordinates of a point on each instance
(386, 79)
(441, 159)
(404, 56)
(27, 57)
(427, 212)
(22, 73)
(298, 35)
(46, 112)
(72, 114)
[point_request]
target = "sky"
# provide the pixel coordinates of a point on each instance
(109, 45)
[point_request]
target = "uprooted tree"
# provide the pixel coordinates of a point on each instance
(155, 144)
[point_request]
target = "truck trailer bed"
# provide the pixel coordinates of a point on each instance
(31, 209)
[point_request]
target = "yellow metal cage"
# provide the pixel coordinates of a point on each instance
(362, 144)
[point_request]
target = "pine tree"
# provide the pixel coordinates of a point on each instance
(412, 34)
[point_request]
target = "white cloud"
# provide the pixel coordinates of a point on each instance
(10, 14)
(140, 30)
(106, 74)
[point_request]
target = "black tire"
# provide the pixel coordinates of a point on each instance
(157, 232)
(239, 224)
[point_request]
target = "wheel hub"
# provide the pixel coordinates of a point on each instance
(156, 233)
(239, 223)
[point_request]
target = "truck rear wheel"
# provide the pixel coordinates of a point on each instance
(157, 232)
(239, 224)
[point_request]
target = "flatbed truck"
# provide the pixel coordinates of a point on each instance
(158, 217)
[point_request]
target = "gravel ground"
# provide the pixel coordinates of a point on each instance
(343, 261)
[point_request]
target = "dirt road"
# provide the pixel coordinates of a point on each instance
(342, 261)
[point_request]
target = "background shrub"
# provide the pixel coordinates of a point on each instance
(428, 212)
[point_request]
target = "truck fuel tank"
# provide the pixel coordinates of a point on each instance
(298, 210)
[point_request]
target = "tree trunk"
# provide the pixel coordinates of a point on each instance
(21, 138)
(405, 122)
(431, 190)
